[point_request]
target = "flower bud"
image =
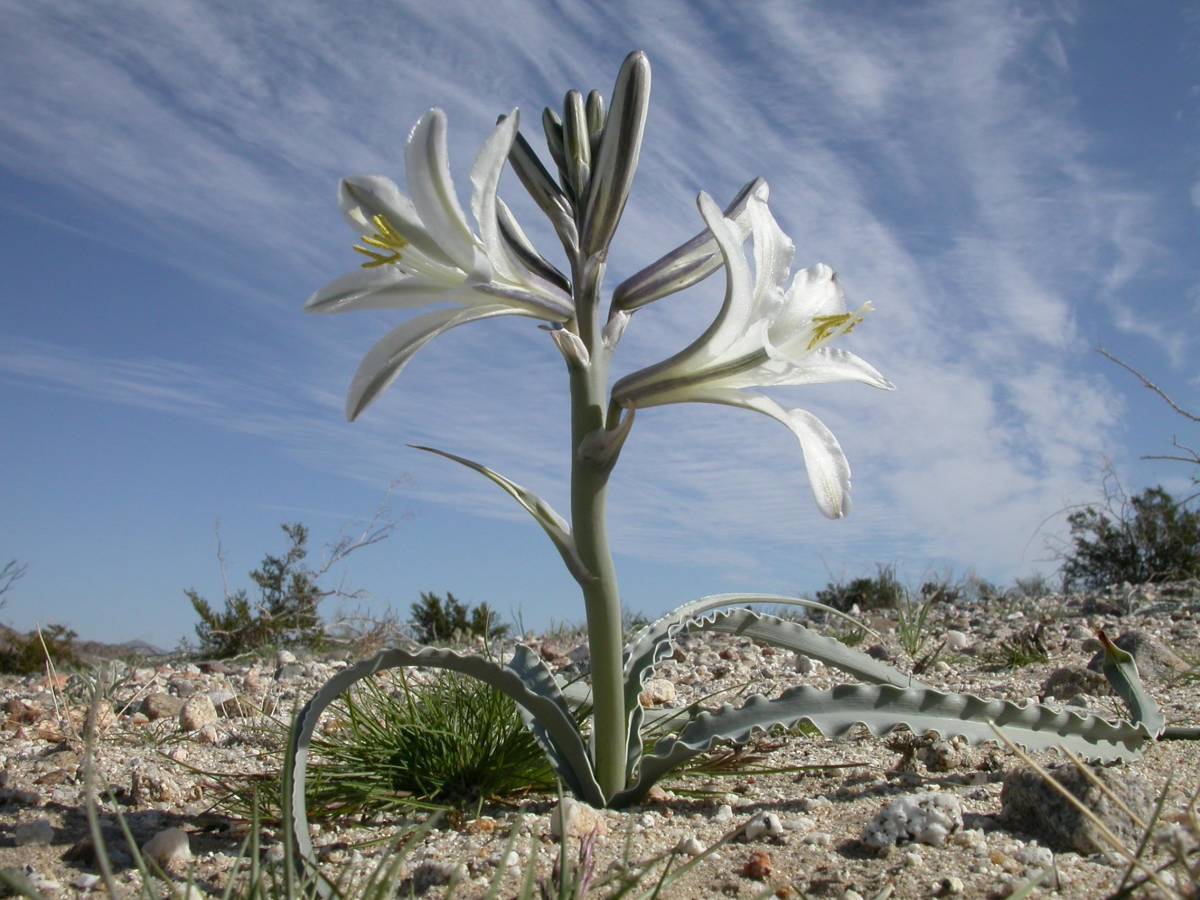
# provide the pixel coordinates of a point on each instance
(617, 157)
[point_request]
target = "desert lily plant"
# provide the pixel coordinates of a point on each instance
(775, 328)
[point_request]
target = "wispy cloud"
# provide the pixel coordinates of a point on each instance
(933, 155)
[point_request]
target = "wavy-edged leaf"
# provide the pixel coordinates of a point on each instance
(552, 523)
(882, 708)
(654, 642)
(526, 681)
(1122, 674)
(657, 641)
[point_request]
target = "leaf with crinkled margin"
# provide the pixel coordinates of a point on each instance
(1122, 674)
(529, 685)
(552, 523)
(882, 708)
(656, 641)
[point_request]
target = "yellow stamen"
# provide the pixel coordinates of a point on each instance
(826, 328)
(385, 238)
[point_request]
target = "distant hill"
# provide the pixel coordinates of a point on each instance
(93, 651)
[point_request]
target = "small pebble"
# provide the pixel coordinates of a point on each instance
(948, 887)
(764, 824)
(170, 848)
(85, 882)
(724, 814)
(758, 866)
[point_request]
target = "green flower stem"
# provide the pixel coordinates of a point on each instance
(602, 596)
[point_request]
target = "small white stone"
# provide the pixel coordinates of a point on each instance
(799, 824)
(811, 804)
(724, 814)
(957, 641)
(285, 657)
(764, 824)
(170, 848)
(691, 846)
(512, 860)
(818, 838)
(926, 818)
(1035, 855)
(85, 882)
(37, 833)
(804, 665)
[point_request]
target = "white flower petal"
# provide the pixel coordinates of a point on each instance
(733, 319)
(485, 180)
(384, 362)
(828, 470)
(383, 287)
(814, 291)
(773, 253)
(821, 366)
(427, 168)
(365, 196)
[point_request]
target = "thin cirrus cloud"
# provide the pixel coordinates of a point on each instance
(933, 155)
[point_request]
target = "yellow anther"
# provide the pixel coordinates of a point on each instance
(385, 238)
(825, 328)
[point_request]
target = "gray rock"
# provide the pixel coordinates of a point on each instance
(36, 833)
(160, 705)
(197, 711)
(1068, 682)
(1153, 658)
(1031, 805)
(289, 671)
(285, 658)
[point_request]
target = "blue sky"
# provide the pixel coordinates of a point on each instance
(1011, 186)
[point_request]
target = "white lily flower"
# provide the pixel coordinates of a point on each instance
(421, 251)
(768, 333)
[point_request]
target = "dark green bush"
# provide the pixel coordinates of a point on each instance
(1149, 538)
(435, 620)
(883, 591)
(23, 654)
(285, 613)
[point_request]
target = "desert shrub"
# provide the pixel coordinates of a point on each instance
(941, 590)
(285, 612)
(1147, 538)
(23, 654)
(883, 591)
(435, 619)
(1033, 587)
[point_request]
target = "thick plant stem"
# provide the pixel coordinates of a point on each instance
(602, 598)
